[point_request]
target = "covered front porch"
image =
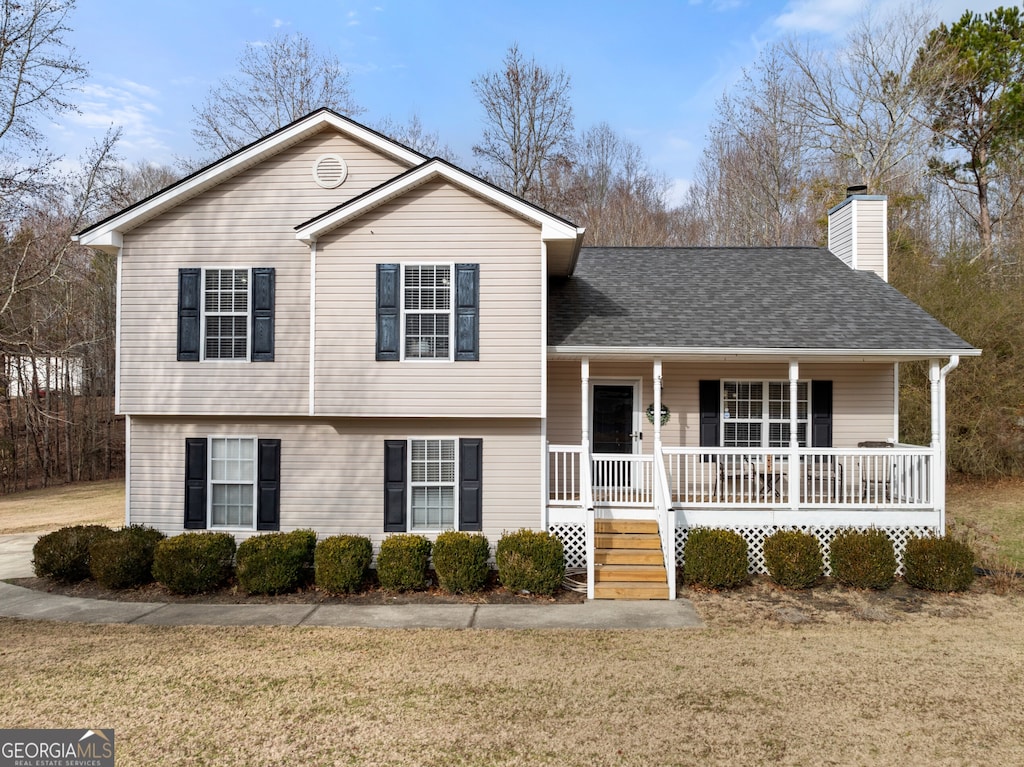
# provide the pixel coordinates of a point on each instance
(749, 449)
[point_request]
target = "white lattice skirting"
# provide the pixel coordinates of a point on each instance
(574, 539)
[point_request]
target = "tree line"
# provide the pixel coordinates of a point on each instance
(930, 114)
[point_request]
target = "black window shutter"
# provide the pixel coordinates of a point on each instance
(467, 312)
(394, 485)
(821, 414)
(263, 315)
(268, 484)
(710, 415)
(470, 484)
(388, 314)
(188, 314)
(195, 484)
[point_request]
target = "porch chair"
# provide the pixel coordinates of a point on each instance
(735, 479)
(823, 479)
(877, 485)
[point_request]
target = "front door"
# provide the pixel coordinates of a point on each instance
(613, 430)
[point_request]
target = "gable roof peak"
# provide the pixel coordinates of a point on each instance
(107, 234)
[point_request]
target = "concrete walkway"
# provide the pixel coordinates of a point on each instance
(18, 602)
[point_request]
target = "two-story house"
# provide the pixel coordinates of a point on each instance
(328, 330)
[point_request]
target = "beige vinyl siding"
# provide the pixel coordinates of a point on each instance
(869, 218)
(857, 234)
(862, 396)
(435, 223)
(840, 234)
(246, 221)
(332, 471)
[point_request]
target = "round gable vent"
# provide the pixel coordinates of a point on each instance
(330, 171)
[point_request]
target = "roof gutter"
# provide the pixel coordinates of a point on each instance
(745, 352)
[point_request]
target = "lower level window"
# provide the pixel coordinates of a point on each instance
(432, 474)
(232, 481)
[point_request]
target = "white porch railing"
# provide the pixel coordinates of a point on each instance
(617, 479)
(900, 477)
(622, 479)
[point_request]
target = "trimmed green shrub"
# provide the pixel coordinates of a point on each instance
(793, 558)
(64, 554)
(530, 560)
(460, 561)
(938, 564)
(124, 560)
(715, 559)
(193, 563)
(274, 563)
(402, 563)
(341, 562)
(863, 560)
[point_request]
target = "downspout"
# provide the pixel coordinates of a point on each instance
(940, 485)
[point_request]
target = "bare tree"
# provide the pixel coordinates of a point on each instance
(528, 125)
(754, 178)
(413, 135)
(277, 83)
(611, 190)
(858, 104)
(38, 73)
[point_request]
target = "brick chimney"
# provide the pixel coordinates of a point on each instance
(858, 231)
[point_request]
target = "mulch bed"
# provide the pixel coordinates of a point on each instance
(373, 595)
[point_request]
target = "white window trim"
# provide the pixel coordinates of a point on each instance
(203, 314)
(765, 420)
(451, 311)
(411, 484)
(210, 481)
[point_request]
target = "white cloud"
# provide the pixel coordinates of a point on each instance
(122, 103)
(353, 19)
(278, 23)
(678, 187)
(825, 16)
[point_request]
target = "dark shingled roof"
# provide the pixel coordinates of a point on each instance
(735, 298)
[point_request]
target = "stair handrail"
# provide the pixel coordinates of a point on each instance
(666, 516)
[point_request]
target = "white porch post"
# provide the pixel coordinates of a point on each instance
(657, 409)
(585, 410)
(938, 455)
(585, 461)
(793, 475)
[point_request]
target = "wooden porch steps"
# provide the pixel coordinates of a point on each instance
(628, 563)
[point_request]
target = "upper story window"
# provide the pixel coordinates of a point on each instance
(757, 413)
(427, 311)
(226, 314)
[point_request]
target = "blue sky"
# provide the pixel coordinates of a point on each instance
(652, 70)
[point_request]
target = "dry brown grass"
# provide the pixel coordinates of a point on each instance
(990, 516)
(827, 677)
(923, 689)
(84, 503)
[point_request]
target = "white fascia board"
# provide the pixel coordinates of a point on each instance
(552, 228)
(98, 236)
(109, 241)
(723, 354)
